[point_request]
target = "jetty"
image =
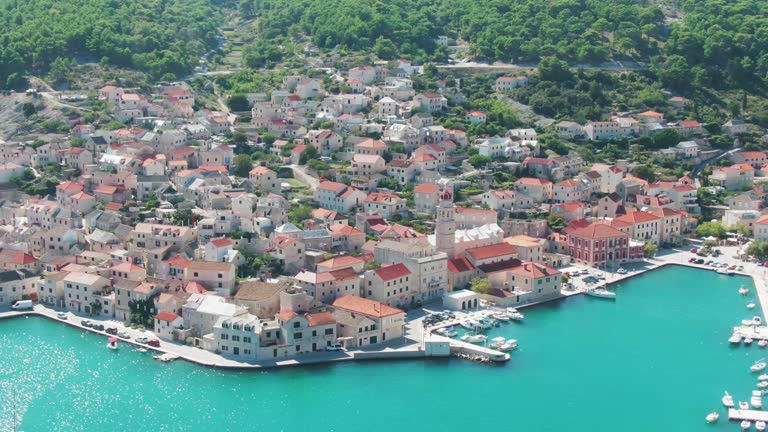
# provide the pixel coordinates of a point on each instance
(751, 415)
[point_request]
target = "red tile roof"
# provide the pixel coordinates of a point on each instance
(460, 265)
(426, 188)
(286, 315)
(393, 271)
(534, 271)
(221, 242)
(166, 316)
(320, 318)
(331, 186)
(491, 251)
(364, 306)
(638, 217)
(598, 231)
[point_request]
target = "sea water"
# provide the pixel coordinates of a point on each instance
(656, 358)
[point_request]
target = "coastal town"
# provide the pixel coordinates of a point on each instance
(330, 221)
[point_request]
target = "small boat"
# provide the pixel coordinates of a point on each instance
(483, 323)
(467, 325)
(516, 316)
(501, 316)
(112, 343)
(474, 338)
(751, 306)
(748, 341)
(497, 342)
(746, 424)
(758, 366)
(743, 290)
(712, 417)
(746, 322)
(743, 405)
(762, 384)
(757, 399)
(601, 293)
(727, 400)
(760, 425)
(735, 339)
(142, 350)
(757, 321)
(762, 343)
(763, 377)
(509, 345)
(725, 271)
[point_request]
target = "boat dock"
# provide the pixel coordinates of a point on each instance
(751, 415)
(755, 333)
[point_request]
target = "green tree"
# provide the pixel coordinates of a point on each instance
(184, 217)
(299, 213)
(479, 160)
(711, 229)
(650, 249)
(242, 165)
(385, 49)
(556, 221)
(238, 102)
(759, 249)
(308, 154)
(645, 172)
(481, 285)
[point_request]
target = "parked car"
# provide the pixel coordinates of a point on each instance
(22, 305)
(692, 259)
(112, 331)
(694, 250)
(86, 323)
(142, 339)
(154, 342)
(61, 315)
(333, 347)
(123, 334)
(699, 261)
(621, 271)
(99, 327)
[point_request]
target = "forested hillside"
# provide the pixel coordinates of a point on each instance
(712, 44)
(157, 36)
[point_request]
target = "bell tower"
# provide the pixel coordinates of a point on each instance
(445, 225)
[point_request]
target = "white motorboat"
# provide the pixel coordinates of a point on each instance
(725, 271)
(763, 377)
(743, 405)
(112, 343)
(751, 306)
(474, 338)
(760, 425)
(746, 322)
(757, 321)
(748, 341)
(142, 350)
(712, 417)
(746, 424)
(509, 345)
(762, 343)
(734, 339)
(601, 293)
(497, 342)
(483, 324)
(743, 290)
(758, 366)
(501, 316)
(467, 325)
(728, 400)
(757, 399)
(516, 316)
(762, 384)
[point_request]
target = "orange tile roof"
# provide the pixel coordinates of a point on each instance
(491, 251)
(598, 231)
(166, 316)
(364, 306)
(393, 271)
(638, 217)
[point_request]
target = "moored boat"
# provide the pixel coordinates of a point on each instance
(112, 343)
(497, 342)
(501, 316)
(760, 425)
(734, 339)
(757, 321)
(751, 306)
(728, 400)
(762, 384)
(762, 343)
(758, 366)
(712, 417)
(474, 338)
(601, 293)
(757, 399)
(743, 405)
(748, 341)
(743, 290)
(746, 424)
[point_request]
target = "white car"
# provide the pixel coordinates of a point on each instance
(123, 334)
(621, 271)
(61, 315)
(142, 339)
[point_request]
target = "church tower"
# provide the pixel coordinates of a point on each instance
(445, 225)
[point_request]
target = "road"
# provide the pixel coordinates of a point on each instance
(300, 173)
(696, 171)
(611, 66)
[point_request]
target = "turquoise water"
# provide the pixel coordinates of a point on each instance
(656, 358)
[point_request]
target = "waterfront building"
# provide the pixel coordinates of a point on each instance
(364, 322)
(598, 245)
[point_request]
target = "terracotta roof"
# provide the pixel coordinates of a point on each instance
(638, 217)
(341, 261)
(426, 188)
(286, 315)
(257, 290)
(597, 231)
(126, 267)
(320, 318)
(460, 265)
(530, 181)
(491, 251)
(260, 170)
(534, 270)
(195, 288)
(22, 258)
(393, 271)
(571, 206)
(331, 186)
(221, 242)
(763, 220)
(166, 316)
(365, 306)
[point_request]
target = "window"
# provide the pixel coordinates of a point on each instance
(196, 274)
(247, 339)
(329, 331)
(297, 335)
(314, 333)
(297, 324)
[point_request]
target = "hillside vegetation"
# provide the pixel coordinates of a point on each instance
(161, 37)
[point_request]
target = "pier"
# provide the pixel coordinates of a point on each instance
(751, 415)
